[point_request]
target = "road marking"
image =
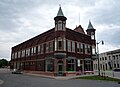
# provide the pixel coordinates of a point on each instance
(1, 82)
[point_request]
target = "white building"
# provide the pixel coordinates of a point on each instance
(108, 60)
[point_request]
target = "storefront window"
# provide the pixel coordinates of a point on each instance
(49, 65)
(70, 65)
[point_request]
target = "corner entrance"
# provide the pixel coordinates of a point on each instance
(60, 68)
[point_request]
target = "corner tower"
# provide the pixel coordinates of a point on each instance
(60, 21)
(91, 32)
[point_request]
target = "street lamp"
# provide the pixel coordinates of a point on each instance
(98, 56)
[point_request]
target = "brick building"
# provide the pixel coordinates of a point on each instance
(58, 51)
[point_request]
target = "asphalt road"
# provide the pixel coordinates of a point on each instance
(17, 80)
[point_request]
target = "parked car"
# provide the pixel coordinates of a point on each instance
(16, 71)
(117, 70)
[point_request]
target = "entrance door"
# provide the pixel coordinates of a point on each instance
(60, 68)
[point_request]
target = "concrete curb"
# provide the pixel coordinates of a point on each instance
(1, 82)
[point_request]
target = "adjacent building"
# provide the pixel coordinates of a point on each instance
(108, 60)
(58, 51)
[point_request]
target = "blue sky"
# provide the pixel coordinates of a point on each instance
(21, 20)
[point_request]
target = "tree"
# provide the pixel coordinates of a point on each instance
(3, 63)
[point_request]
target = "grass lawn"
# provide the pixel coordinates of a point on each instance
(99, 78)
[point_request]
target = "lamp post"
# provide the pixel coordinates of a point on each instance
(98, 56)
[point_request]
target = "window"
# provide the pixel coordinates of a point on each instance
(73, 46)
(92, 35)
(15, 55)
(42, 49)
(27, 52)
(59, 25)
(19, 54)
(86, 46)
(78, 49)
(70, 64)
(23, 53)
(88, 49)
(105, 58)
(60, 44)
(34, 49)
(69, 45)
(81, 47)
(49, 65)
(39, 49)
(51, 46)
(47, 47)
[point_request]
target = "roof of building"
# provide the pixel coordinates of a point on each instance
(79, 29)
(90, 26)
(60, 12)
(113, 52)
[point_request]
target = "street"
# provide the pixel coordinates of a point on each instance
(21, 80)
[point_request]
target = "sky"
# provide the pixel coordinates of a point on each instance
(21, 20)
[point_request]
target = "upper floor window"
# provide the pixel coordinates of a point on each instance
(23, 53)
(19, 54)
(81, 47)
(15, 55)
(27, 52)
(42, 48)
(47, 47)
(78, 47)
(86, 46)
(51, 46)
(73, 46)
(69, 46)
(60, 44)
(39, 49)
(34, 51)
(88, 49)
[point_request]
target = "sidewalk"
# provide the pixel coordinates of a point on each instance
(58, 77)
(110, 74)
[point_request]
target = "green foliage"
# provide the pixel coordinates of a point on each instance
(3, 63)
(99, 78)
